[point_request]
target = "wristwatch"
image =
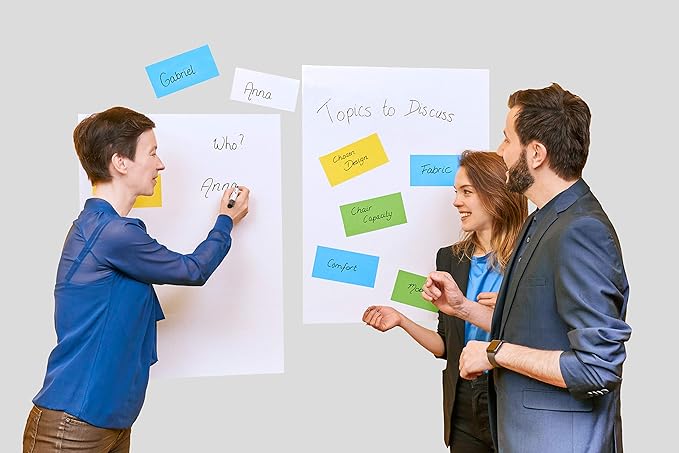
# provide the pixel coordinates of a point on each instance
(492, 349)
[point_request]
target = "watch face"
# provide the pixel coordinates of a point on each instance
(494, 345)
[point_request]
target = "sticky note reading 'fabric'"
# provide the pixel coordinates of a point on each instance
(433, 170)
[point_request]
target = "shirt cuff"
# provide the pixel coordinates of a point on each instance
(224, 223)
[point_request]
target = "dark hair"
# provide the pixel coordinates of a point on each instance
(486, 172)
(101, 135)
(559, 120)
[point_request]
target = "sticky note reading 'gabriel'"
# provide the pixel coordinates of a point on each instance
(182, 71)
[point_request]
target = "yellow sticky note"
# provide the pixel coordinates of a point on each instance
(353, 160)
(150, 201)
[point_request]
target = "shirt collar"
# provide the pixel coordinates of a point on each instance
(99, 204)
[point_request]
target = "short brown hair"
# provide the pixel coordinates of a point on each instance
(101, 135)
(559, 120)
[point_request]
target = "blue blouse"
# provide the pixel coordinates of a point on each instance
(482, 278)
(106, 311)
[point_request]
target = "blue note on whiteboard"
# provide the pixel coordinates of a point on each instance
(433, 170)
(345, 266)
(182, 71)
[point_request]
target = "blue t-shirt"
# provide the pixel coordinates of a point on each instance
(482, 278)
(106, 311)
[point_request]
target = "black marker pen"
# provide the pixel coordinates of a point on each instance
(232, 198)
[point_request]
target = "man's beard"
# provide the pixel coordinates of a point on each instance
(520, 178)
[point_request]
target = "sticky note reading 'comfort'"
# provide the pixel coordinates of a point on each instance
(345, 266)
(264, 89)
(408, 290)
(373, 214)
(353, 160)
(182, 71)
(433, 170)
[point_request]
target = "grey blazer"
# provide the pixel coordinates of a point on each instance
(567, 292)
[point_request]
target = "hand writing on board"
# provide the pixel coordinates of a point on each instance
(240, 207)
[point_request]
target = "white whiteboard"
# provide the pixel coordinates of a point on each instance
(333, 100)
(221, 328)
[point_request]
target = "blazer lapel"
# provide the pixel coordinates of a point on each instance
(521, 264)
(516, 267)
(501, 296)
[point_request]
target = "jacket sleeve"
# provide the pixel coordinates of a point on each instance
(441, 329)
(591, 293)
(127, 247)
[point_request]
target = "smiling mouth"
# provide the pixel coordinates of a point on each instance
(464, 215)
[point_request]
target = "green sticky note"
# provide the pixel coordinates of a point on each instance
(373, 214)
(408, 289)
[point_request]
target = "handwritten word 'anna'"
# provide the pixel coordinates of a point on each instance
(250, 90)
(209, 186)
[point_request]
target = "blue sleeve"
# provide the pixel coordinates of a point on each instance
(591, 292)
(126, 246)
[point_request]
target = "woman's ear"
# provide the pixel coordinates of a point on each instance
(119, 164)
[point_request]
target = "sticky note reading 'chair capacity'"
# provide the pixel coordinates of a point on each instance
(345, 266)
(150, 201)
(433, 170)
(408, 290)
(182, 71)
(373, 214)
(353, 160)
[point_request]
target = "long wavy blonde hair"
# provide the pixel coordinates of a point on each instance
(487, 173)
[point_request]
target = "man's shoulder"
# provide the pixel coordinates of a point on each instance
(585, 214)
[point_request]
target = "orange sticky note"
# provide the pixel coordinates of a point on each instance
(354, 159)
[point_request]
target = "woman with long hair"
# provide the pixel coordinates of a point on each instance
(491, 218)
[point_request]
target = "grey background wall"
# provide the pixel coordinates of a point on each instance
(346, 387)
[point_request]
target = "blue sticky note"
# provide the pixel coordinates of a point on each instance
(433, 170)
(182, 71)
(345, 266)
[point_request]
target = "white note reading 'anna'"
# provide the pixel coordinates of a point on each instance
(265, 89)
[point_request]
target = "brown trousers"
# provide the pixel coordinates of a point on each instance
(49, 431)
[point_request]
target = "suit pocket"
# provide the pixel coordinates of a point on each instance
(534, 281)
(555, 401)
